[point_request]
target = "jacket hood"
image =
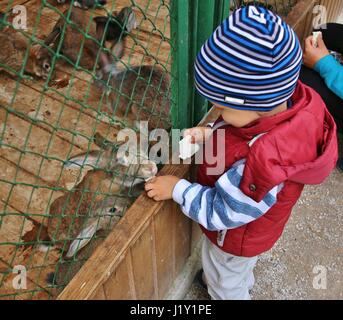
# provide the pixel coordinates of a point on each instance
(299, 145)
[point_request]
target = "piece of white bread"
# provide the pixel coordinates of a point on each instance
(315, 37)
(187, 149)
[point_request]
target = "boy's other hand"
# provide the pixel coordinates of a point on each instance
(161, 188)
(313, 54)
(198, 134)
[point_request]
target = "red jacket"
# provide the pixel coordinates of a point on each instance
(300, 148)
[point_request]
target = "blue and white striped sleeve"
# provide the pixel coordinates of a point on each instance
(225, 206)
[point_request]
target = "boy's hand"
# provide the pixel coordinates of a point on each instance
(198, 134)
(313, 54)
(161, 188)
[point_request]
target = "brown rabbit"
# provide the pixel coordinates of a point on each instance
(69, 214)
(126, 171)
(139, 93)
(13, 49)
(75, 42)
(106, 215)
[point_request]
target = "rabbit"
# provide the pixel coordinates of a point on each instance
(124, 20)
(74, 41)
(68, 213)
(85, 4)
(126, 172)
(79, 209)
(140, 93)
(107, 214)
(13, 49)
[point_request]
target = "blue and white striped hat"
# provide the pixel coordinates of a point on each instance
(251, 61)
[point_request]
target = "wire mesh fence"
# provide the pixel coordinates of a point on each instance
(68, 84)
(70, 79)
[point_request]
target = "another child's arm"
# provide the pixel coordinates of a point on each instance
(319, 59)
(223, 207)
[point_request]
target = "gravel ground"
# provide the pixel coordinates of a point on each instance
(312, 239)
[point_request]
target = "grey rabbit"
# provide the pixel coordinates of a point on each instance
(127, 172)
(106, 215)
(74, 43)
(140, 93)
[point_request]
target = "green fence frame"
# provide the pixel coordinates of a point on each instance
(192, 23)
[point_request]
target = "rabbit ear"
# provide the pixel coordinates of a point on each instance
(91, 159)
(82, 239)
(35, 51)
(123, 159)
(131, 23)
(51, 39)
(118, 49)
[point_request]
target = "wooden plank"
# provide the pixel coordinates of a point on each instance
(162, 224)
(119, 285)
(100, 294)
(182, 229)
(37, 151)
(334, 9)
(142, 255)
(75, 126)
(12, 225)
(14, 190)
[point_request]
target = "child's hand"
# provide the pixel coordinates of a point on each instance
(161, 188)
(198, 134)
(313, 54)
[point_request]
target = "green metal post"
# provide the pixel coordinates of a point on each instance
(203, 15)
(180, 29)
(208, 15)
(191, 24)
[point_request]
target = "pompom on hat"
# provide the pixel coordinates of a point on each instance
(251, 62)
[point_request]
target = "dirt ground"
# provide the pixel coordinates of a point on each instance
(312, 239)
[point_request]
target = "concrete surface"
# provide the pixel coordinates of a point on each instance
(312, 239)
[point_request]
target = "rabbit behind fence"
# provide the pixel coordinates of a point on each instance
(106, 215)
(77, 212)
(139, 93)
(14, 45)
(126, 170)
(77, 47)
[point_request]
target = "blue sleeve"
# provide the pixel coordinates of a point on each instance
(332, 73)
(225, 206)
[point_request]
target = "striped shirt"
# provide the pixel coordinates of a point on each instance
(224, 206)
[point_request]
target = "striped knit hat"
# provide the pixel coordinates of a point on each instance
(251, 61)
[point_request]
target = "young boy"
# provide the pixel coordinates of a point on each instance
(278, 137)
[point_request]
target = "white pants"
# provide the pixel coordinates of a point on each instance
(228, 277)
